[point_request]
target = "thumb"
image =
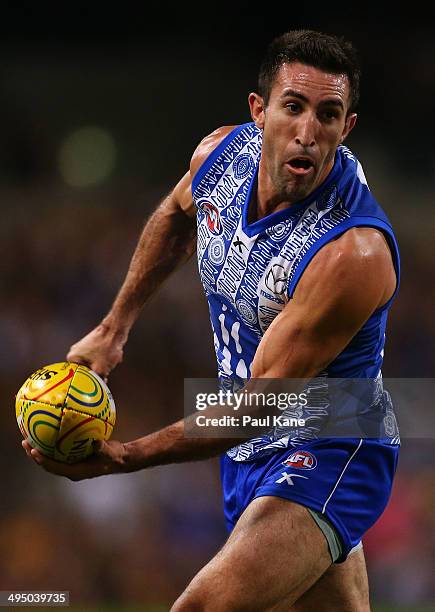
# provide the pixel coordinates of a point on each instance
(98, 446)
(74, 358)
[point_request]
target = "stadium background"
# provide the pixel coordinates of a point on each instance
(99, 116)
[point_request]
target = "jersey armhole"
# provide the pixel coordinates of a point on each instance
(365, 221)
(209, 161)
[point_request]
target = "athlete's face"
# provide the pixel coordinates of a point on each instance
(304, 121)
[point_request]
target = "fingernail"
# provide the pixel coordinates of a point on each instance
(35, 456)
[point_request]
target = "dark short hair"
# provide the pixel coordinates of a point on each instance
(324, 51)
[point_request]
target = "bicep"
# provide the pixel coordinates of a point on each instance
(336, 296)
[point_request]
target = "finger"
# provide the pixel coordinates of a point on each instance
(103, 373)
(26, 447)
(55, 467)
(98, 446)
(74, 358)
(70, 470)
(37, 456)
(46, 462)
(89, 364)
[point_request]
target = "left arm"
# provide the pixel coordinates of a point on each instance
(345, 282)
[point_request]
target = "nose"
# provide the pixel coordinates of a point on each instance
(305, 131)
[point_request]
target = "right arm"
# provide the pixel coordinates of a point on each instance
(167, 240)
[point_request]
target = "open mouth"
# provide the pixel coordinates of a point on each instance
(300, 165)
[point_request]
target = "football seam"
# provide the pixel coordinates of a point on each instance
(62, 408)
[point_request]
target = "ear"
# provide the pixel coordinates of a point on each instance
(257, 107)
(348, 126)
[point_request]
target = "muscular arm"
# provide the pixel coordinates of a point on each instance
(167, 240)
(345, 282)
(343, 285)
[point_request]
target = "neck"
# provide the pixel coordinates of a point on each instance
(270, 200)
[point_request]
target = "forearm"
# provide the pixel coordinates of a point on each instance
(224, 424)
(170, 445)
(168, 239)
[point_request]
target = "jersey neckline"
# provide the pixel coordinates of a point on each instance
(251, 229)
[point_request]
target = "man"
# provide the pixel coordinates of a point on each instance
(300, 266)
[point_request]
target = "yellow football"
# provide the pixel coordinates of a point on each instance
(62, 408)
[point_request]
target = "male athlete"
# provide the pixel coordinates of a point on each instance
(300, 265)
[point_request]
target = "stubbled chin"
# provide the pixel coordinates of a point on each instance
(299, 188)
(301, 182)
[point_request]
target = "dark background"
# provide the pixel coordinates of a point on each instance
(156, 86)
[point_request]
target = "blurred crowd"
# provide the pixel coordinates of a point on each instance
(141, 537)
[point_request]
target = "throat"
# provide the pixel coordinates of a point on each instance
(258, 210)
(270, 208)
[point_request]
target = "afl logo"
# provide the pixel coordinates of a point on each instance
(302, 460)
(243, 165)
(212, 216)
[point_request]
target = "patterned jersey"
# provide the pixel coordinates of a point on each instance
(249, 271)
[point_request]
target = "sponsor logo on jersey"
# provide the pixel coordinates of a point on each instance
(239, 244)
(276, 279)
(301, 459)
(288, 478)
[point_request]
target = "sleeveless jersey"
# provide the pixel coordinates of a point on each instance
(249, 271)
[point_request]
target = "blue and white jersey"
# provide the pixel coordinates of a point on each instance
(250, 270)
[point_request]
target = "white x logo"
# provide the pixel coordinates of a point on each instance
(288, 478)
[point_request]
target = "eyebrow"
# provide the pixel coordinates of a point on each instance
(295, 94)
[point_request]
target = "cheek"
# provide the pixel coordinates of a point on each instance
(330, 144)
(329, 156)
(270, 145)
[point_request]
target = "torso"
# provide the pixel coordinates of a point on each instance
(250, 266)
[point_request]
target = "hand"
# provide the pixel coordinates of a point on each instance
(101, 350)
(107, 459)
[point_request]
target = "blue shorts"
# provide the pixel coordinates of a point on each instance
(347, 480)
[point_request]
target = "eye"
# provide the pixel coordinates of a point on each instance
(329, 115)
(293, 107)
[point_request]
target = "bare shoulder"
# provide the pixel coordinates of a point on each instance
(206, 146)
(360, 246)
(182, 193)
(358, 261)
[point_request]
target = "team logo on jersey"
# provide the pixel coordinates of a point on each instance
(276, 279)
(242, 166)
(212, 216)
(301, 459)
(216, 250)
